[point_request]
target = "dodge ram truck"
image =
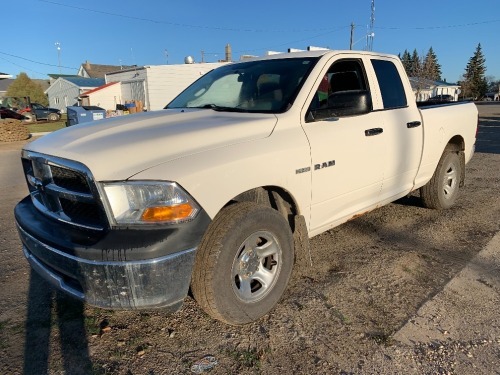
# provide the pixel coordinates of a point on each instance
(219, 193)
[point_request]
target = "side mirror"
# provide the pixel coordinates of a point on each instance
(343, 104)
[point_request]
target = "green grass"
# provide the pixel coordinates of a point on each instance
(45, 126)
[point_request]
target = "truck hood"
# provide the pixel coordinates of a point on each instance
(117, 148)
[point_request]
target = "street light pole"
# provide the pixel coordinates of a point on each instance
(58, 46)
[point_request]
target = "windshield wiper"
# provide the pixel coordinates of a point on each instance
(219, 108)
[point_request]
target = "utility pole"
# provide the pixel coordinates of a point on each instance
(352, 35)
(202, 56)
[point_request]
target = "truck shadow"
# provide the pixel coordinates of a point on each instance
(54, 319)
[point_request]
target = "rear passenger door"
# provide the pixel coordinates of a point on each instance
(347, 146)
(403, 129)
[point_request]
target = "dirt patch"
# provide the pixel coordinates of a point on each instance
(370, 280)
(13, 130)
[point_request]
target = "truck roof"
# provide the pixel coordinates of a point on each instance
(318, 53)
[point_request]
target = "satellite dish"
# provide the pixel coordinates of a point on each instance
(188, 60)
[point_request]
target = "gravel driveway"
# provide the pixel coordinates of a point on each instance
(402, 289)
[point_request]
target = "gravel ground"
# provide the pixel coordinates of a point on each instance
(402, 289)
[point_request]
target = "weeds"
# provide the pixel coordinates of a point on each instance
(248, 358)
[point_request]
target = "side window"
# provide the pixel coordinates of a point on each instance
(389, 81)
(343, 92)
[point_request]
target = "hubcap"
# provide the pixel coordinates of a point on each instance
(256, 266)
(450, 181)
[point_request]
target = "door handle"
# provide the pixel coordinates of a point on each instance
(413, 124)
(374, 131)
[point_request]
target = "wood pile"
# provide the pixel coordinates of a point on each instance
(13, 130)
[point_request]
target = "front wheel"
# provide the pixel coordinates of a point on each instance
(442, 190)
(243, 264)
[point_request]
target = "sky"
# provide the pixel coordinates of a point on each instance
(147, 32)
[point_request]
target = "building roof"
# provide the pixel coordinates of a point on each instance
(56, 76)
(99, 70)
(5, 83)
(424, 83)
(99, 88)
(85, 82)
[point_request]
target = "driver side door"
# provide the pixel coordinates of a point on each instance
(347, 146)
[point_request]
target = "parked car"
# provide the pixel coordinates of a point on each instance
(9, 113)
(45, 113)
(442, 98)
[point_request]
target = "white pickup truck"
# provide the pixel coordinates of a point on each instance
(219, 192)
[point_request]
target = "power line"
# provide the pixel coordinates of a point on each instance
(20, 66)
(35, 62)
(438, 27)
(218, 28)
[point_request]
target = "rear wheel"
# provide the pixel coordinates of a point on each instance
(243, 264)
(53, 117)
(442, 190)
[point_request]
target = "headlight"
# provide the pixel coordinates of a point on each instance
(139, 202)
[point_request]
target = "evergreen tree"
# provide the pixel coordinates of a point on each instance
(416, 65)
(431, 68)
(474, 84)
(24, 86)
(406, 60)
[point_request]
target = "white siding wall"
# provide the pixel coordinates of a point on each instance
(165, 82)
(107, 97)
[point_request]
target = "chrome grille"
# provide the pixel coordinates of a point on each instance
(63, 190)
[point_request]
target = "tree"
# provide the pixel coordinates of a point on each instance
(431, 68)
(406, 60)
(24, 86)
(493, 85)
(474, 84)
(416, 64)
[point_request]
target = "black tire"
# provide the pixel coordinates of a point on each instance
(53, 117)
(243, 264)
(441, 191)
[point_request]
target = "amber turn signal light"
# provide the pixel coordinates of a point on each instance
(167, 213)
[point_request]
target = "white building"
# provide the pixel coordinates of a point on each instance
(157, 85)
(106, 96)
(425, 89)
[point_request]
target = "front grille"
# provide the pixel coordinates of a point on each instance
(69, 179)
(63, 190)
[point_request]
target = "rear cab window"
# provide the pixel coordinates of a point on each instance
(390, 84)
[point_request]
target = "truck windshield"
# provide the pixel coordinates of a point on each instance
(266, 86)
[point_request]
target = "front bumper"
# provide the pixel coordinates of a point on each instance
(119, 269)
(153, 283)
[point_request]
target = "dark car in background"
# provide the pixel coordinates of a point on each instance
(9, 113)
(45, 113)
(442, 99)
